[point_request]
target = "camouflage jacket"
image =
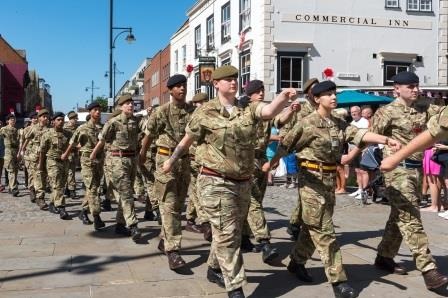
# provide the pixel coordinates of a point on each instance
(402, 123)
(54, 143)
(34, 135)
(86, 135)
(68, 126)
(166, 126)
(438, 125)
(121, 133)
(305, 109)
(320, 140)
(226, 141)
(11, 140)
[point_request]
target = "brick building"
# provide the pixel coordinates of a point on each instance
(155, 77)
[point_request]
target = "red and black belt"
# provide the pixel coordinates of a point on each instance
(209, 172)
(123, 153)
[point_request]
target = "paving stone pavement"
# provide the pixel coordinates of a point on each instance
(43, 256)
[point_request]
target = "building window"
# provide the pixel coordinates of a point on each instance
(244, 14)
(155, 79)
(176, 61)
(245, 69)
(184, 56)
(419, 5)
(391, 69)
(197, 41)
(392, 3)
(225, 23)
(289, 70)
(197, 83)
(225, 61)
(210, 33)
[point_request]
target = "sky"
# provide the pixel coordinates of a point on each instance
(67, 41)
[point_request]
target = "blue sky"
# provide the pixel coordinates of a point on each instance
(67, 41)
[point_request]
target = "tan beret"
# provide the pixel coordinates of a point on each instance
(124, 98)
(43, 112)
(200, 97)
(225, 71)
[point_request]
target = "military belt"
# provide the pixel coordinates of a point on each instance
(209, 172)
(123, 153)
(318, 166)
(411, 164)
(164, 151)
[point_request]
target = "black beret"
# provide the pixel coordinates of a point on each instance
(254, 86)
(32, 115)
(93, 105)
(309, 83)
(200, 97)
(323, 87)
(225, 71)
(57, 115)
(124, 98)
(176, 79)
(405, 77)
(10, 116)
(72, 114)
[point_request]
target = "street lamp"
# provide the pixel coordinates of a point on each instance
(115, 72)
(92, 87)
(129, 38)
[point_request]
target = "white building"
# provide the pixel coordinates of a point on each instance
(284, 43)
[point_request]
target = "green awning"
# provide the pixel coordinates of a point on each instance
(352, 97)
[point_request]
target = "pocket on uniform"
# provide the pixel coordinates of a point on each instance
(162, 184)
(312, 211)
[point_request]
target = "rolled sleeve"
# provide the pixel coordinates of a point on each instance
(438, 125)
(257, 109)
(194, 128)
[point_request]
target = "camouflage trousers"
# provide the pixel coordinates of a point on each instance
(122, 177)
(225, 204)
(139, 186)
(404, 220)
(317, 198)
(39, 180)
(12, 167)
(147, 170)
(194, 209)
(71, 180)
(171, 190)
(295, 218)
(255, 222)
(91, 172)
(30, 168)
(57, 173)
(110, 192)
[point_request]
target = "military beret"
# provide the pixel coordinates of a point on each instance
(323, 87)
(254, 86)
(225, 71)
(43, 112)
(57, 115)
(200, 97)
(405, 77)
(32, 115)
(93, 105)
(72, 114)
(10, 116)
(308, 84)
(176, 79)
(124, 98)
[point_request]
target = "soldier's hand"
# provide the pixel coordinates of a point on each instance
(345, 159)
(92, 156)
(291, 93)
(295, 106)
(63, 156)
(167, 165)
(389, 163)
(395, 145)
(266, 167)
(19, 155)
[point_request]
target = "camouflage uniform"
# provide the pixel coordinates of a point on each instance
(91, 170)
(72, 160)
(53, 144)
(11, 140)
(167, 127)
(226, 144)
(403, 123)
(319, 142)
(438, 125)
(121, 134)
(33, 151)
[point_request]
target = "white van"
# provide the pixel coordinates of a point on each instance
(83, 115)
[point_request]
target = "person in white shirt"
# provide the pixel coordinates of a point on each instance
(362, 176)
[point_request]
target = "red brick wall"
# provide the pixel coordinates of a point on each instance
(159, 70)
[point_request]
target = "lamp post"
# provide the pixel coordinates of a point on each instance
(92, 87)
(115, 71)
(129, 38)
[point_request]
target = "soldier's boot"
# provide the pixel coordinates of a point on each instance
(343, 290)
(106, 205)
(268, 253)
(175, 261)
(389, 265)
(52, 208)
(41, 203)
(191, 226)
(32, 195)
(15, 192)
(66, 192)
(135, 233)
(300, 271)
(161, 246)
(98, 223)
(72, 194)
(84, 217)
(121, 229)
(149, 215)
(207, 230)
(62, 213)
(293, 230)
(247, 245)
(237, 293)
(215, 276)
(434, 280)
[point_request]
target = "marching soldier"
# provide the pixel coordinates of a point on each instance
(71, 126)
(121, 133)
(86, 136)
(167, 128)
(52, 145)
(10, 136)
(404, 119)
